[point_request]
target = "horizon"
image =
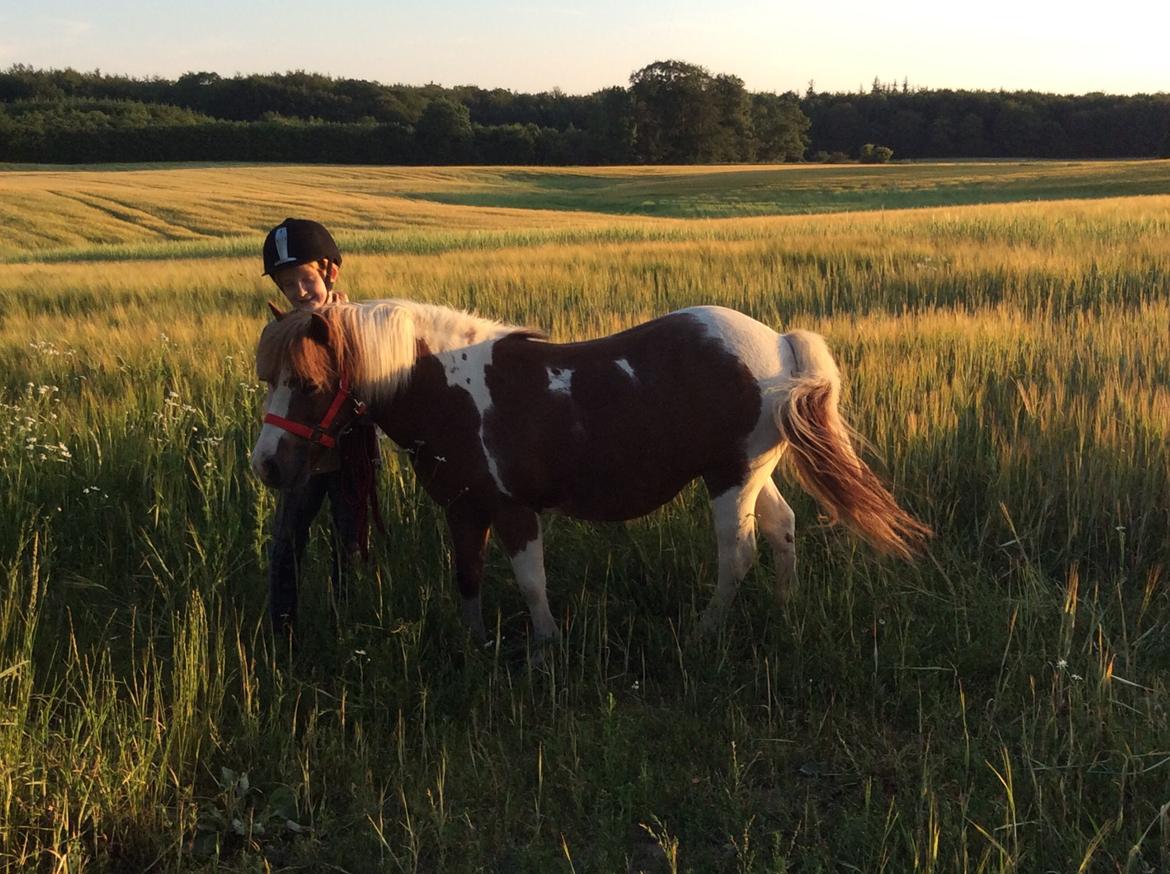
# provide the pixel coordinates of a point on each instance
(525, 49)
(862, 88)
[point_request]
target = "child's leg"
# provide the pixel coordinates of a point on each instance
(344, 542)
(351, 491)
(295, 511)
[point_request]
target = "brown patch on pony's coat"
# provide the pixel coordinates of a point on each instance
(516, 525)
(617, 446)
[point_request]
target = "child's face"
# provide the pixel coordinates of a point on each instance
(305, 285)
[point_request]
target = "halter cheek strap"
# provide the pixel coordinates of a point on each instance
(322, 434)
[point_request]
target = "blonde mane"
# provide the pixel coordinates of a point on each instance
(376, 341)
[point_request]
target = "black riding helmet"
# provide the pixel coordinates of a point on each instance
(298, 241)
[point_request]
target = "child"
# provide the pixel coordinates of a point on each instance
(304, 262)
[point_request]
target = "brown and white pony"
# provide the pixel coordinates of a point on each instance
(501, 425)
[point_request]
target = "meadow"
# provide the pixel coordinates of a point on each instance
(1003, 332)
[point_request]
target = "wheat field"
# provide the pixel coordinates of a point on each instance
(1001, 705)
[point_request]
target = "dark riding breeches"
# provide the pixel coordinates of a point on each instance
(295, 511)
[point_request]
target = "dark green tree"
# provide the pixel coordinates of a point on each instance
(779, 128)
(732, 138)
(443, 133)
(608, 129)
(674, 115)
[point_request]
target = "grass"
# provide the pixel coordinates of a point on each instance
(74, 214)
(999, 706)
(726, 192)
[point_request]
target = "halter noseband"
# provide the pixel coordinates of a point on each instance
(325, 432)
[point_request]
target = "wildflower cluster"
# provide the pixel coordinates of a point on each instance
(210, 444)
(178, 406)
(173, 410)
(1062, 665)
(45, 349)
(47, 451)
(31, 421)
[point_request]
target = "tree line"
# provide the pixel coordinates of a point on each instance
(670, 112)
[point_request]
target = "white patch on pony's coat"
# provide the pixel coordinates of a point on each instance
(755, 344)
(385, 333)
(266, 445)
(625, 365)
(466, 368)
(762, 351)
(559, 380)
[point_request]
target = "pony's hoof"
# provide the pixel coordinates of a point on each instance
(785, 580)
(539, 651)
(710, 624)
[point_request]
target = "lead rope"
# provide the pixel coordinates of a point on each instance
(359, 463)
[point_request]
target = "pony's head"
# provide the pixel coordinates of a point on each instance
(304, 358)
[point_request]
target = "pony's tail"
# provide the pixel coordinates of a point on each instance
(824, 461)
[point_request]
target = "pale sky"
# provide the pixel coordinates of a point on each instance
(1071, 47)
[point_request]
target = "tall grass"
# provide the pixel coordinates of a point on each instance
(999, 706)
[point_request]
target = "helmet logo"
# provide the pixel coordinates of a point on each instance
(280, 238)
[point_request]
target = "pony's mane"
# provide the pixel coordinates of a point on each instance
(376, 341)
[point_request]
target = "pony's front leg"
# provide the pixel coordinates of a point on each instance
(519, 531)
(469, 535)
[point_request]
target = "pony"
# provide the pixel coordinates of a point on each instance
(500, 425)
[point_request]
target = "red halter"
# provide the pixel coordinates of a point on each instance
(325, 432)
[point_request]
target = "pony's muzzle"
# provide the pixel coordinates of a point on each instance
(280, 469)
(271, 461)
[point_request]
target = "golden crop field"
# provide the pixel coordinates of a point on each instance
(1003, 332)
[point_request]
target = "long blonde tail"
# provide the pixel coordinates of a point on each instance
(821, 454)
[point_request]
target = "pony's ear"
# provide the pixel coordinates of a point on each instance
(277, 312)
(318, 329)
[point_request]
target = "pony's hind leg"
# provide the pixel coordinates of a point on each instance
(519, 531)
(778, 524)
(735, 535)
